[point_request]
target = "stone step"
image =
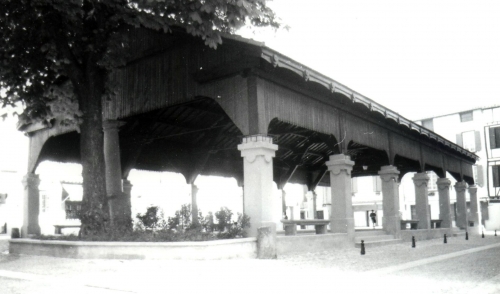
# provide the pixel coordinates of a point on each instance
(371, 244)
(373, 238)
(369, 233)
(458, 232)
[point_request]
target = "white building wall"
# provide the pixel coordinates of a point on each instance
(13, 167)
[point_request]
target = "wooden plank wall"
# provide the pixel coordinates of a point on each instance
(366, 133)
(298, 109)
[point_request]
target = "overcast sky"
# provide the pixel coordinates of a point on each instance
(419, 58)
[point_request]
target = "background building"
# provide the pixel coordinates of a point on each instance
(13, 166)
(477, 130)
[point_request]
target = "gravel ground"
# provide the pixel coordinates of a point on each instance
(339, 271)
(379, 257)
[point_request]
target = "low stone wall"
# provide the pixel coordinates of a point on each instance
(220, 249)
(425, 234)
(310, 243)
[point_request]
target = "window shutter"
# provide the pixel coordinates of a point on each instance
(459, 140)
(492, 138)
(480, 176)
(377, 184)
(354, 185)
(477, 136)
(497, 137)
(496, 175)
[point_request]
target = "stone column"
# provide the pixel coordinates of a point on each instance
(258, 152)
(315, 208)
(113, 168)
(194, 203)
(127, 193)
(474, 214)
(461, 220)
(422, 200)
(443, 185)
(31, 205)
(283, 203)
(391, 221)
(341, 217)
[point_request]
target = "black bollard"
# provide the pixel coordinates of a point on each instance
(445, 241)
(482, 234)
(413, 242)
(495, 233)
(362, 247)
(466, 235)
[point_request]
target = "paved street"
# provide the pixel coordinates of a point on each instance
(432, 267)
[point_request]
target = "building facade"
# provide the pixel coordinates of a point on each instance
(477, 130)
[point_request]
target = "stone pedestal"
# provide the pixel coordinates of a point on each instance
(258, 152)
(31, 205)
(391, 221)
(127, 193)
(443, 185)
(422, 201)
(474, 213)
(341, 217)
(194, 203)
(113, 169)
(461, 220)
(266, 241)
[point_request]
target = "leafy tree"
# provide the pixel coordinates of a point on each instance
(56, 57)
(153, 218)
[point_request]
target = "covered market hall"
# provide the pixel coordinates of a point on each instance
(248, 112)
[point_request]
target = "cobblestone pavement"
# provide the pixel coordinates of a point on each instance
(431, 267)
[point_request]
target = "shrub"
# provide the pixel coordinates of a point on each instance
(152, 220)
(152, 227)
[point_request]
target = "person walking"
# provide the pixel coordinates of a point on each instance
(373, 216)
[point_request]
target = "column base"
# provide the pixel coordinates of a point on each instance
(266, 241)
(343, 226)
(392, 225)
(120, 213)
(28, 231)
(446, 222)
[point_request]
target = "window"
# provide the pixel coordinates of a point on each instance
(466, 116)
(428, 124)
(432, 183)
(477, 171)
(3, 198)
(495, 138)
(45, 202)
(496, 175)
(470, 140)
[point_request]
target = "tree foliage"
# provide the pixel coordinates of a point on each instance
(56, 57)
(43, 43)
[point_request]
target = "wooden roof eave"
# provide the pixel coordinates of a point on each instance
(279, 60)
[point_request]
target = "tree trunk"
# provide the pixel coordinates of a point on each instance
(94, 215)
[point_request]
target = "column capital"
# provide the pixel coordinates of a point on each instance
(460, 186)
(339, 163)
(31, 180)
(420, 179)
(257, 145)
(473, 189)
(127, 185)
(388, 173)
(443, 183)
(111, 124)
